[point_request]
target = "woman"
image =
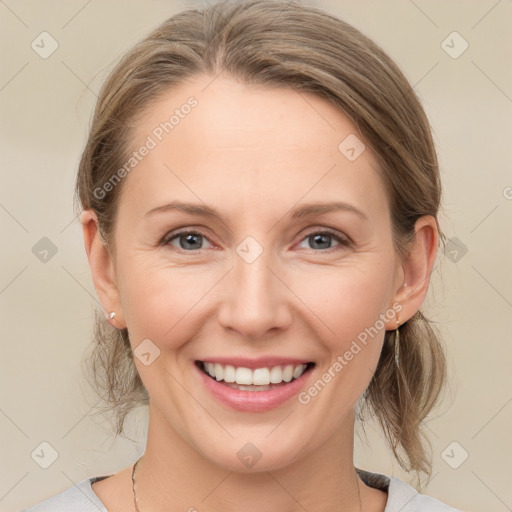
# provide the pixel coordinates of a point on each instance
(292, 151)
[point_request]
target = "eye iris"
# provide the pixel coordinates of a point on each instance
(190, 239)
(318, 239)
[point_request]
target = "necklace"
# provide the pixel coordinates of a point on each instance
(133, 486)
(135, 496)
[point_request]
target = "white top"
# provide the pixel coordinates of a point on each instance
(401, 497)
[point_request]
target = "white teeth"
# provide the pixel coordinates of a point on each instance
(210, 368)
(276, 375)
(229, 373)
(258, 377)
(288, 373)
(219, 371)
(297, 371)
(261, 377)
(243, 376)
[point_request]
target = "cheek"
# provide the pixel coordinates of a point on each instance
(348, 299)
(160, 300)
(352, 306)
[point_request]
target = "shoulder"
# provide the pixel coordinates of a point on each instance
(78, 498)
(401, 496)
(404, 498)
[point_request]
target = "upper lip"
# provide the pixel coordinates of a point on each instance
(253, 363)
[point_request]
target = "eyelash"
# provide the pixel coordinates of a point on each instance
(344, 242)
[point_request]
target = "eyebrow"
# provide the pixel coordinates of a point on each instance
(305, 210)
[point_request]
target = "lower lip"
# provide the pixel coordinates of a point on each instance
(253, 401)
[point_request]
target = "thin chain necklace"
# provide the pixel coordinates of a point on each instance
(133, 486)
(135, 496)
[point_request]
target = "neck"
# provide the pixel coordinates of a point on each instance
(173, 476)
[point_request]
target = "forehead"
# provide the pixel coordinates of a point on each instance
(218, 139)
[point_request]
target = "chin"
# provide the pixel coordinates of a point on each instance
(255, 454)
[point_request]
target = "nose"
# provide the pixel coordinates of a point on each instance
(255, 299)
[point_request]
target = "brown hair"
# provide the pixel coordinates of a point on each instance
(281, 45)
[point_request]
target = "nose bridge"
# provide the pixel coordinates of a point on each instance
(256, 301)
(254, 278)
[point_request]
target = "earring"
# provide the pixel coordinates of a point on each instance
(397, 343)
(112, 315)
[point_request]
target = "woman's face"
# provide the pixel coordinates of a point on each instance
(263, 284)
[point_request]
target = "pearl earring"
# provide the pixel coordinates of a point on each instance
(112, 315)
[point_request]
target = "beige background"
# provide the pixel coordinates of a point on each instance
(47, 308)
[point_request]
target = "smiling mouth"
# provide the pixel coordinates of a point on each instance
(259, 379)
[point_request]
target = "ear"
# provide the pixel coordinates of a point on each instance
(416, 269)
(102, 269)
